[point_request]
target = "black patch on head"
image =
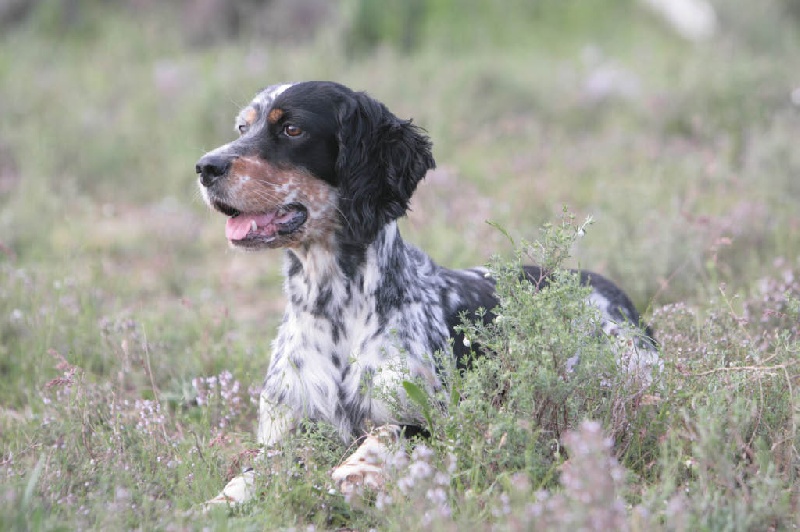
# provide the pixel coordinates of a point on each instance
(310, 107)
(352, 142)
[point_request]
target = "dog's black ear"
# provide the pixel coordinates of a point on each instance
(381, 159)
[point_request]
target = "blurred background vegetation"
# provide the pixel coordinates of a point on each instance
(681, 146)
(680, 143)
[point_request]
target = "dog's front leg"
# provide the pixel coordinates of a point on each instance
(275, 421)
(365, 468)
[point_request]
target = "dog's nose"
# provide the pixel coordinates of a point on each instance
(211, 168)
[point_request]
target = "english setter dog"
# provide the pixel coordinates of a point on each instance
(324, 173)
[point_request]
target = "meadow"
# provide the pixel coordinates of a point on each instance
(133, 342)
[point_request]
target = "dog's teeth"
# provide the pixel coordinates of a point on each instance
(253, 225)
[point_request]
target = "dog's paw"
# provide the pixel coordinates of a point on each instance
(365, 467)
(239, 490)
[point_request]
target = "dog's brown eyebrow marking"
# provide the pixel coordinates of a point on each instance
(245, 119)
(250, 115)
(274, 115)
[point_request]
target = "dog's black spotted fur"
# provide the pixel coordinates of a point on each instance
(324, 172)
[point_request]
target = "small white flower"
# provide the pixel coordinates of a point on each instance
(420, 470)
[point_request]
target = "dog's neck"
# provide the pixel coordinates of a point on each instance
(333, 278)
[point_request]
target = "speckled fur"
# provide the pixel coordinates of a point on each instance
(365, 310)
(349, 339)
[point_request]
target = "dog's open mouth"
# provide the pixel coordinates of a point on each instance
(263, 228)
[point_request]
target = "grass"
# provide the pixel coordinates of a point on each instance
(132, 343)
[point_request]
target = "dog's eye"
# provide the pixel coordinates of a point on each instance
(292, 131)
(243, 128)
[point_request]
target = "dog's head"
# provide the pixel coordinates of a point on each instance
(314, 161)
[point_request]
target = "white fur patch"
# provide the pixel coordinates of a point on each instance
(365, 467)
(239, 490)
(268, 95)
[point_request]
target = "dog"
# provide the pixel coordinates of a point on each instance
(324, 173)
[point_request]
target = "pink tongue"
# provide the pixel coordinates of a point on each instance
(238, 227)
